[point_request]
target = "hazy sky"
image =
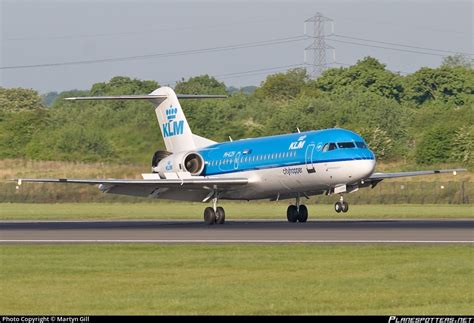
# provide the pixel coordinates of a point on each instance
(53, 31)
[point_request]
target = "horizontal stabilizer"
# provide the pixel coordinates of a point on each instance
(145, 97)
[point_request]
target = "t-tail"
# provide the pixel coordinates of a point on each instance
(174, 127)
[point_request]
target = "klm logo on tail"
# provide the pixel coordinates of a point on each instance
(172, 127)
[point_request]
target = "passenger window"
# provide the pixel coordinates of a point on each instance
(361, 144)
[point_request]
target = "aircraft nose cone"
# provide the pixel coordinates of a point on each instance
(367, 167)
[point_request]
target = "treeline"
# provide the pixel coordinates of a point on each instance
(425, 117)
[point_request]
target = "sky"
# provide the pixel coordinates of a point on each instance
(244, 41)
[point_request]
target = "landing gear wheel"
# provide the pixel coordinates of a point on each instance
(338, 207)
(209, 216)
(292, 213)
(303, 213)
(220, 215)
(345, 207)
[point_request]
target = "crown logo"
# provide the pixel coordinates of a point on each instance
(171, 113)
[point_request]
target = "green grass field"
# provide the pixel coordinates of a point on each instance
(109, 211)
(236, 279)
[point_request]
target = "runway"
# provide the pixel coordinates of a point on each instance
(240, 231)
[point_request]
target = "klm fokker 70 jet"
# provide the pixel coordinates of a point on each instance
(297, 165)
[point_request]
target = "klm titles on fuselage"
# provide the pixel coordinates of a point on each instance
(298, 144)
(172, 127)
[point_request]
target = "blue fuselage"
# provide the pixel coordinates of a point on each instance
(306, 148)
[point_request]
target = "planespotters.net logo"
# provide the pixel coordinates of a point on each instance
(447, 319)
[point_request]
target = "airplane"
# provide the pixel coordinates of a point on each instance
(296, 165)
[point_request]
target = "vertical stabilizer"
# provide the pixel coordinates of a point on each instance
(173, 124)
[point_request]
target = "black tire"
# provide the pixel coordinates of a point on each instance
(303, 213)
(338, 207)
(220, 215)
(209, 216)
(345, 207)
(292, 213)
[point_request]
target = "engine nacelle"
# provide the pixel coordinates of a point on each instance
(158, 156)
(191, 162)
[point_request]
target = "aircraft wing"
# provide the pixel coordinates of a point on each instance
(187, 183)
(381, 176)
(376, 178)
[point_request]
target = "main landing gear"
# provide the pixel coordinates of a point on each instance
(214, 214)
(341, 206)
(297, 212)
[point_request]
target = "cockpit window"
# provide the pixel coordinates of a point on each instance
(361, 144)
(349, 144)
(329, 146)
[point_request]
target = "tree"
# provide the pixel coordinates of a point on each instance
(18, 99)
(18, 128)
(463, 144)
(378, 141)
(120, 85)
(49, 98)
(367, 75)
(203, 84)
(458, 60)
(283, 86)
(435, 145)
(452, 85)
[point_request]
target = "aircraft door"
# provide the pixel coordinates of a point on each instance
(309, 158)
(237, 160)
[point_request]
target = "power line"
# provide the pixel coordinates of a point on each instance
(260, 70)
(275, 69)
(250, 72)
(400, 45)
(169, 54)
(390, 48)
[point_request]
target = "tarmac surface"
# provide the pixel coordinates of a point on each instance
(240, 231)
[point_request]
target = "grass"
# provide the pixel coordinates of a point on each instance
(245, 210)
(236, 279)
